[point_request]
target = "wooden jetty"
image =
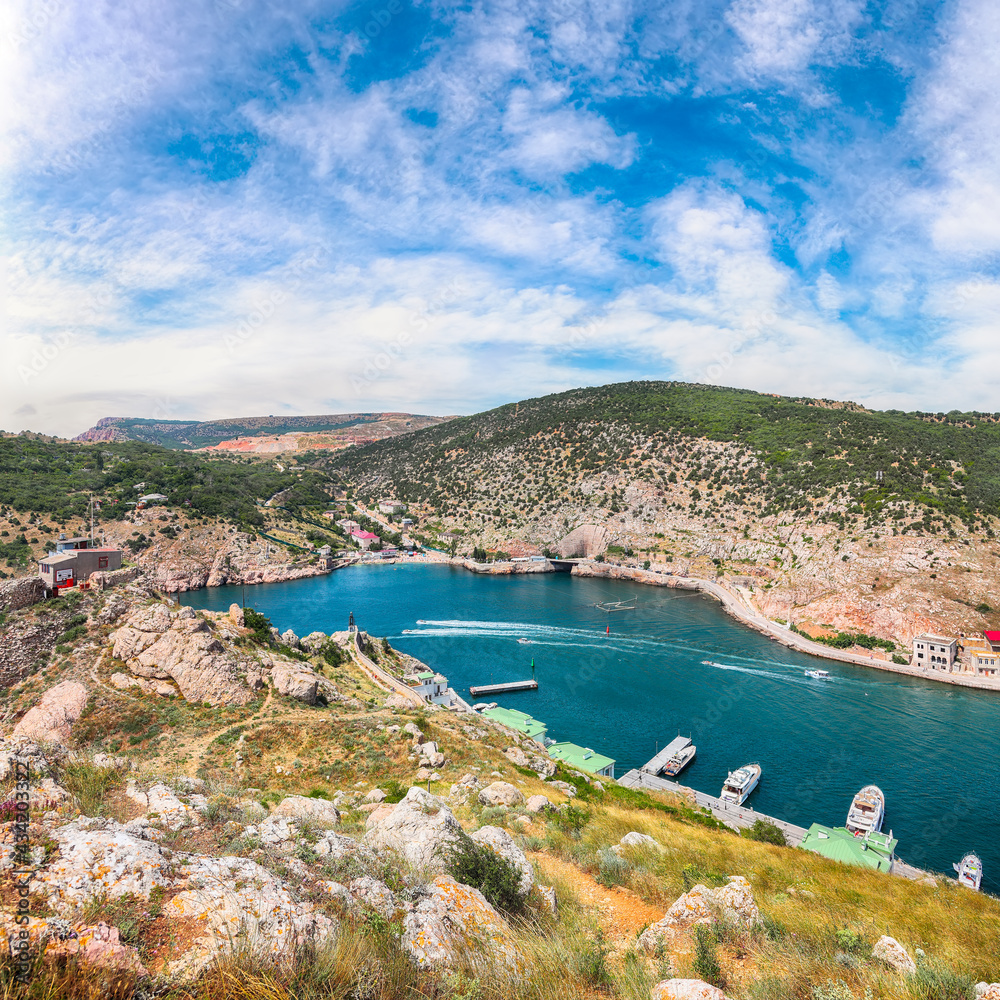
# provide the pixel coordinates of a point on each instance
(485, 689)
(659, 762)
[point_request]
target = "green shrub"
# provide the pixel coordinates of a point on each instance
(934, 981)
(766, 832)
(706, 962)
(613, 869)
(394, 791)
(478, 865)
(259, 625)
(91, 785)
(848, 940)
(591, 962)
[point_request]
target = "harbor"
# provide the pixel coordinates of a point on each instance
(508, 687)
(617, 693)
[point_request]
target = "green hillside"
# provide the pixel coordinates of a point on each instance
(786, 454)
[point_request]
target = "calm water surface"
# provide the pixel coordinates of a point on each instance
(679, 663)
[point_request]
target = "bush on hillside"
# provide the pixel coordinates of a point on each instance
(766, 832)
(478, 865)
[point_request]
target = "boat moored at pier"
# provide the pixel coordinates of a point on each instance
(867, 811)
(970, 871)
(740, 783)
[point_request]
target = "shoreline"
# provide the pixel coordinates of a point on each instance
(779, 633)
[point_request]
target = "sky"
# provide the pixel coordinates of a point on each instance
(236, 208)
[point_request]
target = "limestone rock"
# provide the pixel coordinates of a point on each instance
(890, 951)
(156, 646)
(501, 842)
(295, 681)
(538, 803)
(236, 616)
(162, 803)
(98, 945)
(300, 807)
(289, 638)
(987, 991)
(462, 788)
(635, 839)
(500, 793)
(419, 828)
(376, 895)
(701, 905)
(50, 720)
(454, 924)
(313, 641)
(375, 795)
(549, 902)
(565, 787)
(516, 756)
(685, 989)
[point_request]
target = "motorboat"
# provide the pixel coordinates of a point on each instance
(526, 642)
(680, 760)
(818, 675)
(970, 871)
(740, 784)
(867, 811)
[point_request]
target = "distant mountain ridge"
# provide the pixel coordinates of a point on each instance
(331, 430)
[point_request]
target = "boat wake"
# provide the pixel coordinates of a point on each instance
(756, 672)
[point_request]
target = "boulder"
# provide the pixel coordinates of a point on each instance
(300, 807)
(538, 803)
(502, 843)
(419, 828)
(312, 642)
(685, 989)
(375, 795)
(565, 787)
(295, 680)
(987, 991)
(890, 951)
(411, 729)
(289, 638)
(635, 839)
(548, 897)
(236, 616)
(98, 945)
(50, 720)
(516, 756)
(453, 925)
(500, 793)
(156, 646)
(462, 788)
(702, 905)
(161, 802)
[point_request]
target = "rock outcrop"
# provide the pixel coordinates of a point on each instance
(453, 924)
(500, 793)
(420, 828)
(734, 902)
(50, 720)
(685, 989)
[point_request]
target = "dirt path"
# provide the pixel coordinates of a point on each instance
(620, 913)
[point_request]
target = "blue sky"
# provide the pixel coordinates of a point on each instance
(233, 208)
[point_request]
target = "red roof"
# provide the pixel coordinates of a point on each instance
(363, 534)
(992, 636)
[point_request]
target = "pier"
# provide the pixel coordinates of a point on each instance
(739, 817)
(726, 812)
(485, 689)
(659, 762)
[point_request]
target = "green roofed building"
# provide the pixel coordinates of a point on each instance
(583, 759)
(514, 719)
(876, 850)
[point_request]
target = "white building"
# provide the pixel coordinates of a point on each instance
(936, 652)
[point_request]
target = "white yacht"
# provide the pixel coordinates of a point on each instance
(740, 784)
(867, 811)
(818, 675)
(970, 871)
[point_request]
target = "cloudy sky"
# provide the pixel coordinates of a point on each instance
(236, 207)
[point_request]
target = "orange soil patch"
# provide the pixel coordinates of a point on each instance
(620, 913)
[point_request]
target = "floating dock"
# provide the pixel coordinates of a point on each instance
(485, 689)
(659, 762)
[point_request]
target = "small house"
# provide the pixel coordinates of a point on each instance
(936, 652)
(72, 567)
(365, 539)
(583, 759)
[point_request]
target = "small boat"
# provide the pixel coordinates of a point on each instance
(740, 784)
(526, 642)
(970, 871)
(618, 605)
(867, 811)
(818, 675)
(680, 760)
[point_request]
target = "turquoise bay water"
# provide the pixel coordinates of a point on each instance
(679, 663)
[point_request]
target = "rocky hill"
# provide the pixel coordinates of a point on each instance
(259, 434)
(221, 810)
(830, 515)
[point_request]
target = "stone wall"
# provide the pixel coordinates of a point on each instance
(21, 593)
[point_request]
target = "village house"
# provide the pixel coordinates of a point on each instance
(74, 559)
(391, 506)
(936, 652)
(365, 539)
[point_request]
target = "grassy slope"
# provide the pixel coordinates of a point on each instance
(321, 749)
